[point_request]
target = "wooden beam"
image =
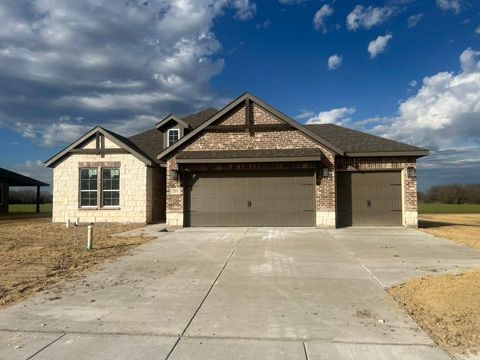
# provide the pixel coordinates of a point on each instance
(248, 117)
(102, 144)
(98, 151)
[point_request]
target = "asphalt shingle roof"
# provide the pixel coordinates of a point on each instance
(353, 141)
(198, 118)
(150, 141)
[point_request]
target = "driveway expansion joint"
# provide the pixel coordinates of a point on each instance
(208, 293)
(46, 346)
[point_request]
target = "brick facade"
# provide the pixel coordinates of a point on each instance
(263, 139)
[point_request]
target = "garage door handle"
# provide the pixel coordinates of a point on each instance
(369, 204)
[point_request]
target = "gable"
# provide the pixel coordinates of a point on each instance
(99, 141)
(229, 133)
(247, 114)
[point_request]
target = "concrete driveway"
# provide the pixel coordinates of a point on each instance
(240, 293)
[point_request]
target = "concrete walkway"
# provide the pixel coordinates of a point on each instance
(240, 293)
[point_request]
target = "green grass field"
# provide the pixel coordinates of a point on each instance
(28, 208)
(448, 209)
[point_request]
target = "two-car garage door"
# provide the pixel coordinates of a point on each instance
(250, 198)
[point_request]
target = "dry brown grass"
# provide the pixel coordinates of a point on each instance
(461, 228)
(447, 306)
(36, 254)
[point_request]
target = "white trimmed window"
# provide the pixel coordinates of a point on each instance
(111, 187)
(173, 136)
(88, 187)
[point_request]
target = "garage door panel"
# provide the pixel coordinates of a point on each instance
(281, 198)
(369, 198)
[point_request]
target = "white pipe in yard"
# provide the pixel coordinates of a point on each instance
(90, 237)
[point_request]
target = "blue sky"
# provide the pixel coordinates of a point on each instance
(405, 69)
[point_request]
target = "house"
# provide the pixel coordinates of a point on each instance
(245, 165)
(8, 179)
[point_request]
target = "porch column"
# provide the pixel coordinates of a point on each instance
(38, 199)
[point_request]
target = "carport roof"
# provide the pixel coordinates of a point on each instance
(264, 155)
(15, 179)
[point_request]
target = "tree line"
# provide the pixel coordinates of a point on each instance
(445, 194)
(451, 194)
(29, 197)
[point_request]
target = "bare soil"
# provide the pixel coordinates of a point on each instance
(36, 254)
(447, 306)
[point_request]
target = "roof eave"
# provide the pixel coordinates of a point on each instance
(249, 160)
(414, 153)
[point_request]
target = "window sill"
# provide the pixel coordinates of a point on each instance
(85, 208)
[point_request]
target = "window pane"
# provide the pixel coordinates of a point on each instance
(173, 136)
(111, 187)
(111, 179)
(88, 198)
(88, 179)
(111, 198)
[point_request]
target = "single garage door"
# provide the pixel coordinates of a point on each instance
(369, 198)
(260, 198)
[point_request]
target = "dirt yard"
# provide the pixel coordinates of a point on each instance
(447, 306)
(36, 254)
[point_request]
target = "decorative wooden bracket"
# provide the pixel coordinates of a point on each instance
(249, 121)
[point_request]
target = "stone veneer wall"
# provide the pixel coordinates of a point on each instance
(136, 186)
(276, 139)
(409, 185)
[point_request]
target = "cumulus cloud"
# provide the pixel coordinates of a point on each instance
(445, 111)
(367, 17)
(450, 5)
(304, 114)
(334, 62)
(320, 17)
(477, 30)
(245, 9)
(413, 20)
(379, 45)
(108, 63)
(337, 116)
